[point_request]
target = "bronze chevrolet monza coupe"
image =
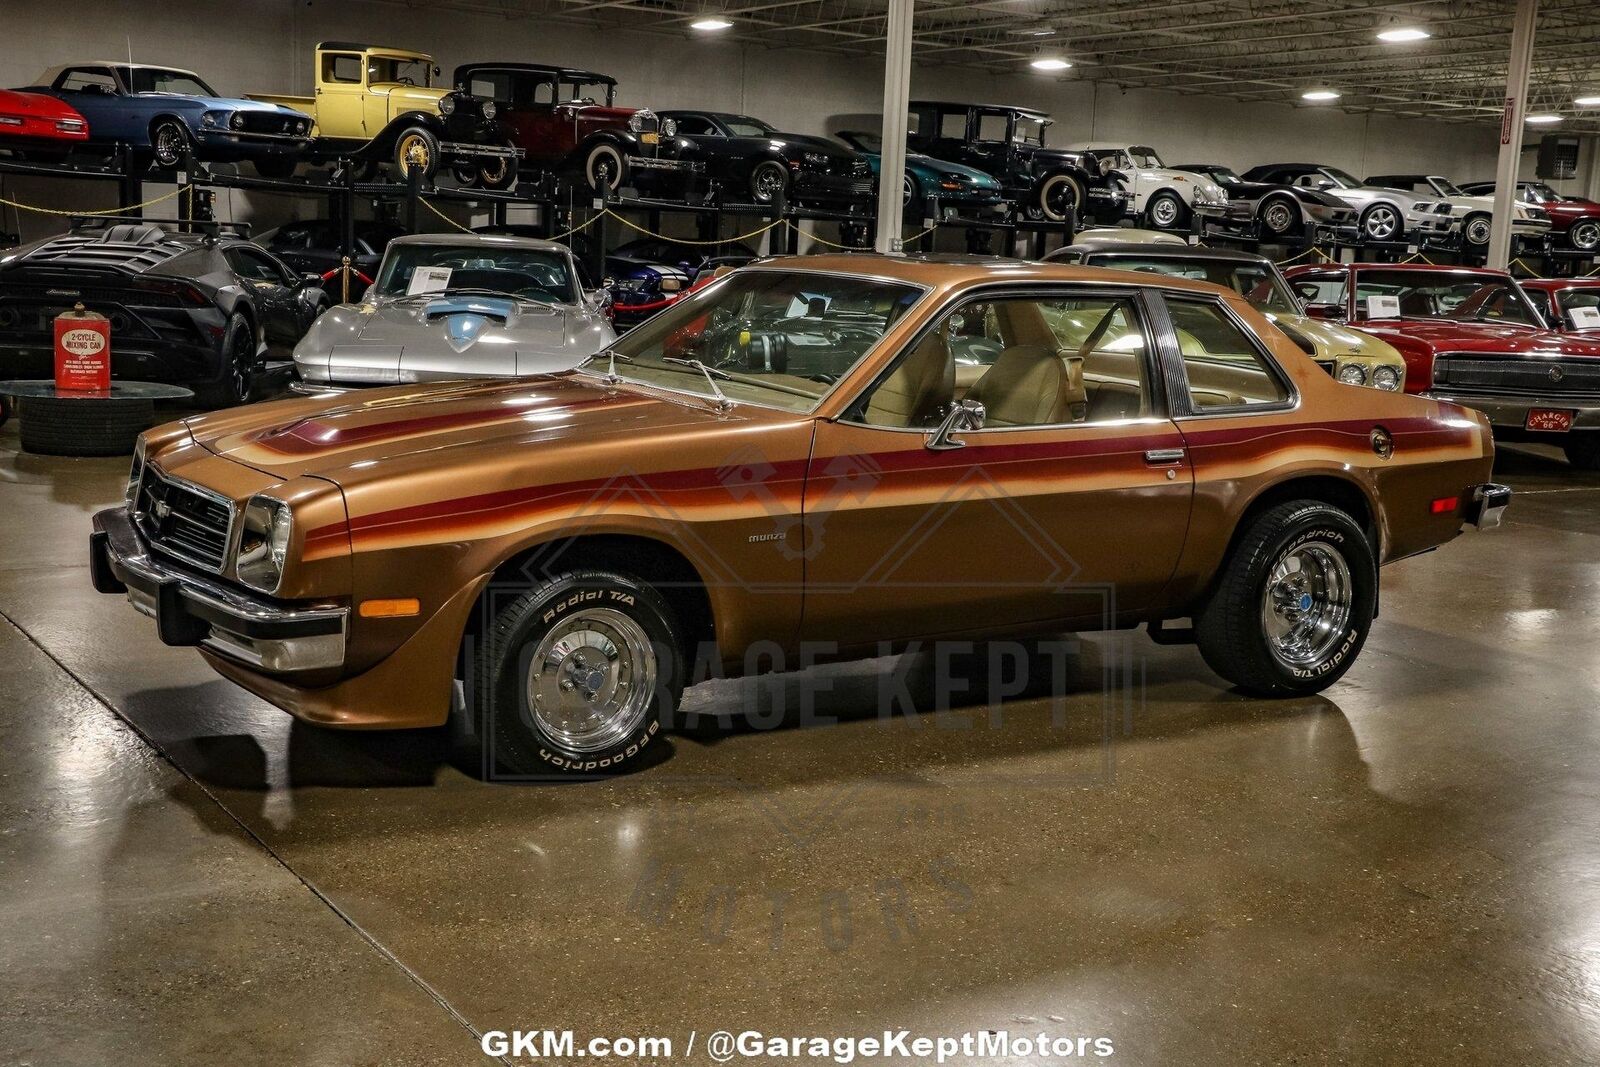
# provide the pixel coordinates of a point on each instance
(847, 451)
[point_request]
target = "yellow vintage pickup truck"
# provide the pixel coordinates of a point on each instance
(380, 105)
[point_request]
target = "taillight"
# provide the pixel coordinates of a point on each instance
(1445, 505)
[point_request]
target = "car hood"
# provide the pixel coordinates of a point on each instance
(214, 103)
(1481, 337)
(1333, 341)
(375, 434)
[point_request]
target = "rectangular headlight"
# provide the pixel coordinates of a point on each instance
(264, 543)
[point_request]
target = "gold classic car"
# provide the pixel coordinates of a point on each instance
(788, 462)
(381, 104)
(1350, 356)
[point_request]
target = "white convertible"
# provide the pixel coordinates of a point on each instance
(1165, 199)
(457, 306)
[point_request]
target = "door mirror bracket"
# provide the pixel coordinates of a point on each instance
(965, 415)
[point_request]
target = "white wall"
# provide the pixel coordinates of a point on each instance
(266, 46)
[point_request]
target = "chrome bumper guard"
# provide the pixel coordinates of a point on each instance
(1488, 506)
(191, 609)
(460, 149)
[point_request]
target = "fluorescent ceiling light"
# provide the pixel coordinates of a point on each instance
(1320, 94)
(1050, 64)
(710, 23)
(1588, 101)
(1543, 120)
(1401, 34)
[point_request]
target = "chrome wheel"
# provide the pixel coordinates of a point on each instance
(768, 182)
(1164, 212)
(1305, 606)
(1585, 235)
(1477, 230)
(908, 191)
(1382, 223)
(167, 144)
(591, 680)
(1277, 218)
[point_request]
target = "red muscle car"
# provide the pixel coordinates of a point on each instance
(1571, 305)
(1473, 337)
(34, 120)
(1574, 221)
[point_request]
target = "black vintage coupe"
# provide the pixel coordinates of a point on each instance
(748, 158)
(203, 310)
(1008, 142)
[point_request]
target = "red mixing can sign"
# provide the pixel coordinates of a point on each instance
(83, 351)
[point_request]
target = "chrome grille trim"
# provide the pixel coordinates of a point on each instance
(1467, 372)
(198, 527)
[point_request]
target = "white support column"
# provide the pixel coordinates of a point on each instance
(1511, 130)
(896, 104)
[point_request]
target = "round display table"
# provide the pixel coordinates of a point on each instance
(60, 423)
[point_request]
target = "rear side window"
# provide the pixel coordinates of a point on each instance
(1226, 367)
(87, 80)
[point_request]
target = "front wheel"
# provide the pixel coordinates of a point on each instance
(1165, 211)
(235, 381)
(1381, 223)
(1279, 218)
(1585, 235)
(169, 142)
(417, 149)
(496, 172)
(1475, 231)
(576, 676)
(605, 168)
(769, 181)
(1058, 198)
(1294, 602)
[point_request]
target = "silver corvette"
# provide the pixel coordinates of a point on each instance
(457, 306)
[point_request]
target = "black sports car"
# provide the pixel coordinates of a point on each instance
(1274, 210)
(202, 310)
(313, 246)
(749, 158)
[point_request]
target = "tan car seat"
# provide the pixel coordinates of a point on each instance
(916, 390)
(1031, 385)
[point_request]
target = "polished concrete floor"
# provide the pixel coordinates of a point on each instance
(1405, 870)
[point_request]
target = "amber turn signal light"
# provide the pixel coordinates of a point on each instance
(390, 609)
(1442, 506)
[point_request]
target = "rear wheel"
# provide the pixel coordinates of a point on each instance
(1583, 451)
(235, 383)
(1294, 602)
(576, 676)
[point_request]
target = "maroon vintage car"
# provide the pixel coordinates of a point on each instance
(566, 120)
(1473, 337)
(1571, 305)
(1574, 221)
(34, 121)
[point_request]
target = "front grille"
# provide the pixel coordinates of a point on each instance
(182, 521)
(1532, 377)
(268, 122)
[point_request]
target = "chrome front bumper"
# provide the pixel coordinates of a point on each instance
(1508, 411)
(192, 609)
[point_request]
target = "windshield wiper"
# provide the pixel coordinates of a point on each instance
(611, 376)
(711, 373)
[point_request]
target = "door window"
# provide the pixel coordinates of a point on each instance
(255, 266)
(87, 80)
(1227, 369)
(994, 127)
(695, 126)
(953, 125)
(1030, 361)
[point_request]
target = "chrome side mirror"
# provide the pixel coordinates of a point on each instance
(966, 415)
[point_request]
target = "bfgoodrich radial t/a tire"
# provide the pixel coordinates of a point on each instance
(1295, 601)
(576, 676)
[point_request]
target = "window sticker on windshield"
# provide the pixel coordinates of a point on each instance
(1584, 318)
(429, 280)
(1383, 307)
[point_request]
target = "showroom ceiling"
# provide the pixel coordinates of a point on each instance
(1270, 50)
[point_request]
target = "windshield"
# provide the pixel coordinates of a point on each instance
(585, 92)
(1540, 193)
(1572, 299)
(864, 142)
(1258, 283)
(745, 126)
(780, 339)
(152, 80)
(1340, 178)
(1456, 296)
(534, 273)
(387, 69)
(1220, 174)
(1145, 157)
(1445, 188)
(1030, 129)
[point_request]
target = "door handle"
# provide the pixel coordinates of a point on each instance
(1164, 455)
